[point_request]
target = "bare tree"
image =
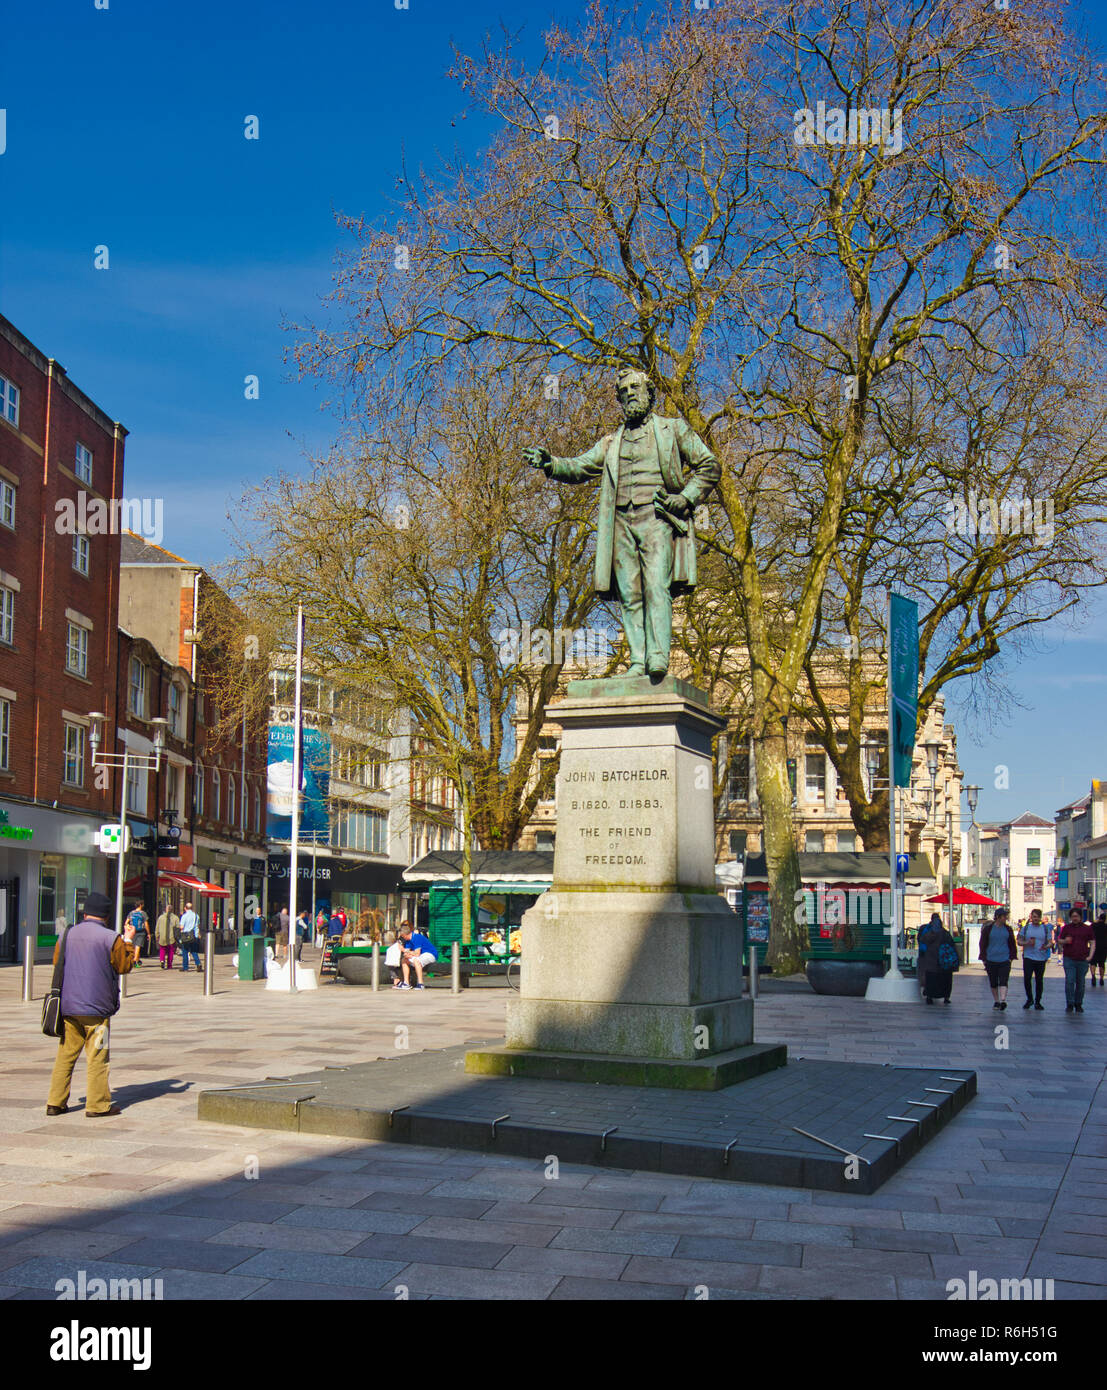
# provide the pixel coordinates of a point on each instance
(770, 207)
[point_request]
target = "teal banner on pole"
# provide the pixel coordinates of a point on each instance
(903, 672)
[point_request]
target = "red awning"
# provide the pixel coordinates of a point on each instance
(965, 897)
(194, 885)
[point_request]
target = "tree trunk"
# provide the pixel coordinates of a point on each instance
(788, 936)
(466, 865)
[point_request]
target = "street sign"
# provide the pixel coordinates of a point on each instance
(902, 862)
(169, 844)
(111, 838)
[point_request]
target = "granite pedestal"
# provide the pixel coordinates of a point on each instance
(632, 957)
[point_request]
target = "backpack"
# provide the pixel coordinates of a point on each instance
(948, 959)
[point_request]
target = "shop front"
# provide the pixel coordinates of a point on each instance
(325, 883)
(49, 863)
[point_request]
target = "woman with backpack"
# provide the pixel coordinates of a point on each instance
(938, 959)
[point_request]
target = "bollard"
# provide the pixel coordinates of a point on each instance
(455, 969)
(376, 978)
(29, 943)
(753, 971)
(209, 964)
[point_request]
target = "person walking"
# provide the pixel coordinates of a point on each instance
(189, 938)
(95, 957)
(1034, 939)
(138, 919)
(165, 930)
(1076, 939)
(1099, 956)
(997, 951)
(303, 931)
(320, 928)
(940, 960)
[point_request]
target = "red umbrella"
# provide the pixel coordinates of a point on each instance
(965, 897)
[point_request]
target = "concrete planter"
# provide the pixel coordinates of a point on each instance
(843, 977)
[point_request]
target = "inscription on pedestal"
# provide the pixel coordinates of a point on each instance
(616, 816)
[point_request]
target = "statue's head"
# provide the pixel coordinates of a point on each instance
(635, 392)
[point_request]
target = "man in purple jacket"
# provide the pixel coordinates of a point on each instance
(94, 960)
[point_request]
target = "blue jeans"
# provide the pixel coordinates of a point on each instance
(187, 951)
(1075, 971)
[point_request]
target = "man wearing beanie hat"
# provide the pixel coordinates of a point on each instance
(94, 960)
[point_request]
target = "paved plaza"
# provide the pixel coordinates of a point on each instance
(1015, 1186)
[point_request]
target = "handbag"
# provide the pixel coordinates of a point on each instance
(948, 959)
(53, 1025)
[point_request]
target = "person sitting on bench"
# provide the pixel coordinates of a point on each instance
(416, 951)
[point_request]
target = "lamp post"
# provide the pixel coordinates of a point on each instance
(971, 792)
(125, 761)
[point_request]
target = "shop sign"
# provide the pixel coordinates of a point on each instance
(13, 832)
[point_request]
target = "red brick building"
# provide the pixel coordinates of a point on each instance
(61, 478)
(215, 781)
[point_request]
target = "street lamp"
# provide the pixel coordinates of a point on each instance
(125, 761)
(932, 767)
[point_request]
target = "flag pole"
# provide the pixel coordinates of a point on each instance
(297, 774)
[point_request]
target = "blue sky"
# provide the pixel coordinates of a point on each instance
(125, 129)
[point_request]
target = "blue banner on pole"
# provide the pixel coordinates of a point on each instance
(903, 663)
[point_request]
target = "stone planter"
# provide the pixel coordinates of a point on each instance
(357, 970)
(844, 977)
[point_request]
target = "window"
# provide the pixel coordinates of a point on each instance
(82, 465)
(847, 842)
(544, 840)
(198, 790)
(80, 554)
(47, 896)
(76, 650)
(176, 709)
(1034, 857)
(136, 789)
(7, 615)
(364, 830)
(1032, 890)
(7, 503)
(814, 772)
(813, 842)
(547, 743)
(738, 776)
(9, 401)
(136, 701)
(5, 734)
(230, 798)
(738, 840)
(74, 774)
(215, 793)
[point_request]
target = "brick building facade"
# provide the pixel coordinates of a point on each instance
(61, 478)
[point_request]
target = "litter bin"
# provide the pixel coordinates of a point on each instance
(251, 957)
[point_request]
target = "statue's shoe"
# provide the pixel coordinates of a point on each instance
(636, 670)
(657, 668)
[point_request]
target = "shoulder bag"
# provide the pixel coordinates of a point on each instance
(53, 1025)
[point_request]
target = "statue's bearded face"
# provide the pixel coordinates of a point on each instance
(633, 393)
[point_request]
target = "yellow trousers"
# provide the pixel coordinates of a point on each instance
(93, 1036)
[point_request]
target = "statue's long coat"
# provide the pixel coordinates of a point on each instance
(678, 448)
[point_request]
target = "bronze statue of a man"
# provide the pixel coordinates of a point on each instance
(645, 539)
